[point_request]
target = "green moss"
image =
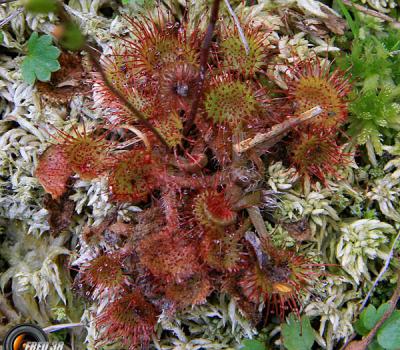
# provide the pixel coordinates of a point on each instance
(374, 114)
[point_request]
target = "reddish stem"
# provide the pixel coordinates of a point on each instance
(66, 18)
(204, 54)
(141, 118)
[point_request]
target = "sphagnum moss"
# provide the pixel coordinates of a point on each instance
(158, 74)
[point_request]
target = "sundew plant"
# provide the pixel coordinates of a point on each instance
(200, 174)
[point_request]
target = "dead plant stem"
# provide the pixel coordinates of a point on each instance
(204, 54)
(372, 12)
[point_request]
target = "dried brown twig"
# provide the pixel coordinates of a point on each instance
(57, 327)
(257, 220)
(372, 13)
(276, 132)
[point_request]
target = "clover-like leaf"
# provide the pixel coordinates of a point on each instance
(360, 328)
(388, 335)
(252, 344)
(41, 60)
(298, 336)
(375, 346)
(369, 317)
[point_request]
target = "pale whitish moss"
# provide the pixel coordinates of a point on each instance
(321, 205)
(315, 205)
(361, 241)
(215, 325)
(384, 6)
(386, 192)
(281, 178)
(336, 309)
(311, 7)
(19, 189)
(34, 272)
(393, 165)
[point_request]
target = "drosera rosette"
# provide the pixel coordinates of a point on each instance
(192, 291)
(278, 279)
(217, 224)
(177, 86)
(54, 171)
(231, 101)
(138, 89)
(80, 152)
(216, 205)
(170, 126)
(130, 320)
(230, 105)
(131, 176)
(316, 154)
(157, 73)
(212, 209)
(247, 54)
(194, 162)
(156, 65)
(311, 82)
(180, 255)
(86, 151)
(157, 41)
(169, 255)
(104, 275)
(223, 251)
